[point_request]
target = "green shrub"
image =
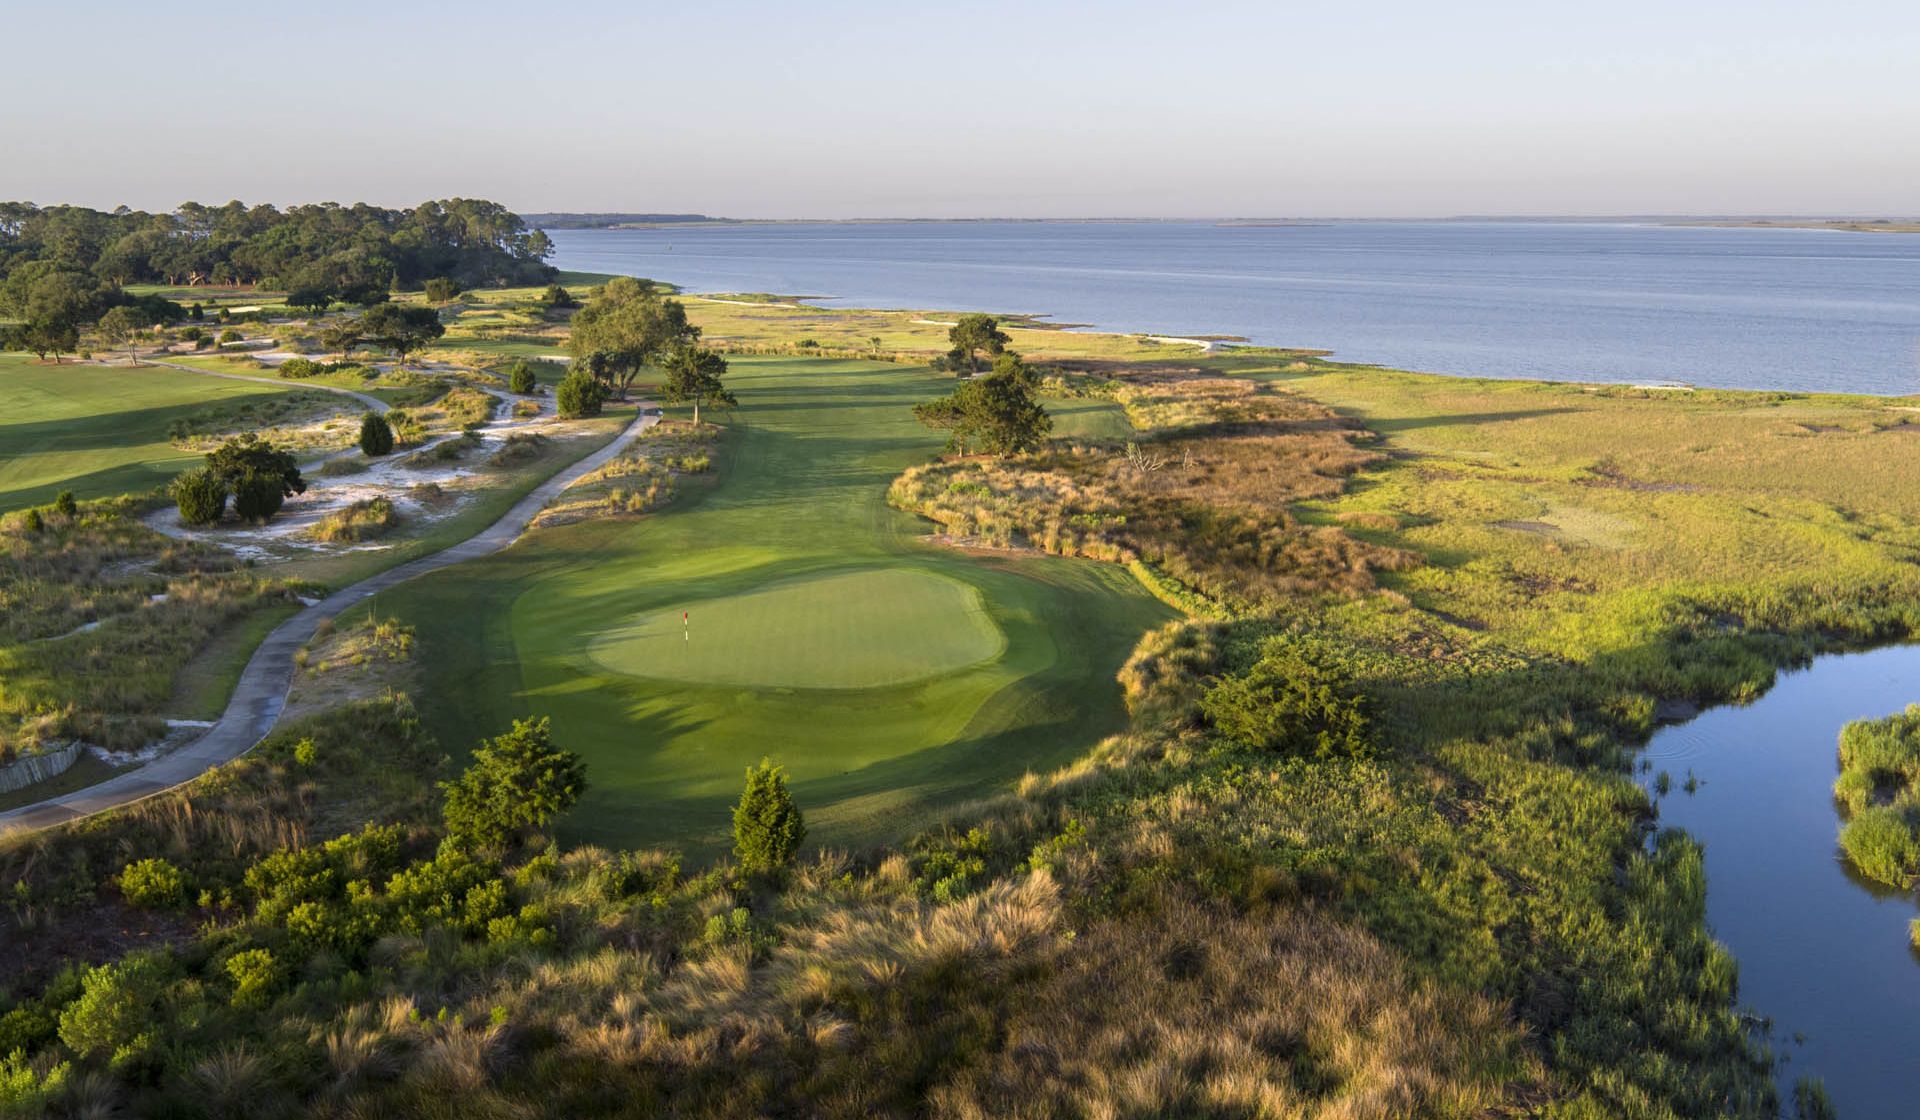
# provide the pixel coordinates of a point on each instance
(201, 495)
(440, 289)
(516, 782)
(376, 435)
(27, 1029)
(25, 1089)
(520, 377)
(64, 505)
(257, 497)
(254, 973)
(33, 523)
(230, 334)
(579, 395)
(154, 884)
(767, 826)
(115, 1007)
(1288, 705)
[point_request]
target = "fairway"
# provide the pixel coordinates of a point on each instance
(891, 676)
(98, 431)
(854, 630)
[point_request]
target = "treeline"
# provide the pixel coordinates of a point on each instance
(343, 249)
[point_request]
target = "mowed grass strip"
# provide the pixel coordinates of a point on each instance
(863, 629)
(98, 431)
(904, 711)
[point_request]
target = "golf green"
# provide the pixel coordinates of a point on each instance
(860, 629)
(788, 612)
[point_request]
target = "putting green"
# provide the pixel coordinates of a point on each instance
(864, 629)
(893, 678)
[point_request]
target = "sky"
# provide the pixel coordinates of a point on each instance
(849, 108)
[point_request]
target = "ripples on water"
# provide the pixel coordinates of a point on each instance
(1802, 310)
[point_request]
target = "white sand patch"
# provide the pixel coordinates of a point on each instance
(389, 477)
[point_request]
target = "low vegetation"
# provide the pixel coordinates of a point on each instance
(359, 521)
(1879, 791)
(646, 476)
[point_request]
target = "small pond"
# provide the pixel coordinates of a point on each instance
(1823, 954)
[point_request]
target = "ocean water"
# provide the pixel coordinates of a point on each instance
(1799, 310)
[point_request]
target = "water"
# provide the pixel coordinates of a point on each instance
(1821, 952)
(1802, 310)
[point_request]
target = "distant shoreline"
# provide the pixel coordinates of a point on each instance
(622, 221)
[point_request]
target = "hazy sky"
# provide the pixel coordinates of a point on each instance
(840, 108)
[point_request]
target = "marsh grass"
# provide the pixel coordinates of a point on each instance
(360, 521)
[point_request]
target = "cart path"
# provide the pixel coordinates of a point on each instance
(261, 693)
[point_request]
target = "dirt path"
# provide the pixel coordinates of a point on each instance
(262, 691)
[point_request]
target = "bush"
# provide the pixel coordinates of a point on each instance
(230, 334)
(1285, 704)
(32, 522)
(441, 290)
(64, 505)
(254, 973)
(115, 1007)
(520, 378)
(517, 781)
(154, 884)
(376, 435)
(767, 826)
(557, 298)
(201, 495)
(579, 395)
(257, 497)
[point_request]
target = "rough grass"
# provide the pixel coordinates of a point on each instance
(100, 615)
(360, 521)
(651, 472)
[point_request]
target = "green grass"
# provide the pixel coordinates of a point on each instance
(1089, 418)
(99, 431)
(860, 629)
(802, 497)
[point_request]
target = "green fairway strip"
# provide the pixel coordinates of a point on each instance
(97, 431)
(866, 629)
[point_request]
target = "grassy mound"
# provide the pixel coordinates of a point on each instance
(863, 629)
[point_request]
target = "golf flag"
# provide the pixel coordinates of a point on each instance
(684, 621)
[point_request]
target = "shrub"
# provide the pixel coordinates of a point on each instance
(1285, 704)
(440, 289)
(201, 495)
(517, 781)
(579, 395)
(767, 826)
(557, 298)
(376, 435)
(257, 497)
(114, 1009)
(32, 522)
(261, 476)
(153, 884)
(230, 334)
(520, 378)
(254, 973)
(64, 505)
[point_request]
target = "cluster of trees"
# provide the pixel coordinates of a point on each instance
(255, 474)
(343, 249)
(628, 327)
(51, 306)
(995, 413)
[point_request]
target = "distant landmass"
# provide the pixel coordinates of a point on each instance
(616, 221)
